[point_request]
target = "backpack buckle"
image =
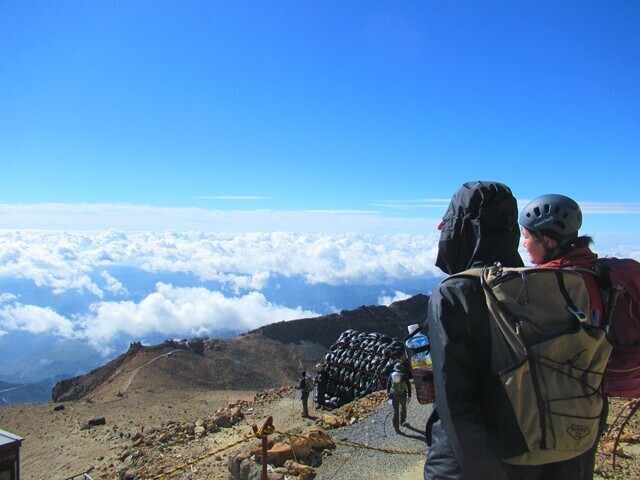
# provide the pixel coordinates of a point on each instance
(577, 313)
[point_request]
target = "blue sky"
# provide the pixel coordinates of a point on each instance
(290, 105)
(312, 142)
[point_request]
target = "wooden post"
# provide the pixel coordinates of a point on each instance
(268, 424)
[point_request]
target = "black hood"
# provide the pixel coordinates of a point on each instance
(479, 228)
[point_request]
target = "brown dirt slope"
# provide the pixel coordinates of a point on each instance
(158, 388)
(153, 387)
(243, 363)
(263, 358)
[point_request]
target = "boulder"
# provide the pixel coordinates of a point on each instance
(279, 454)
(318, 438)
(97, 421)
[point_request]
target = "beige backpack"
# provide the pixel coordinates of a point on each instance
(549, 359)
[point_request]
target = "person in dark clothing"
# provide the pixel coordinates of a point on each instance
(321, 380)
(399, 391)
(479, 228)
(303, 386)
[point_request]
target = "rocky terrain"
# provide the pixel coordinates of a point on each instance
(187, 410)
(176, 384)
(154, 432)
(269, 356)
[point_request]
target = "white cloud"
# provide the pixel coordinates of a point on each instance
(235, 197)
(243, 263)
(409, 216)
(388, 300)
(113, 285)
(341, 212)
(61, 262)
(168, 310)
(7, 297)
(136, 218)
(69, 261)
(66, 260)
(610, 208)
(438, 203)
(35, 319)
(596, 208)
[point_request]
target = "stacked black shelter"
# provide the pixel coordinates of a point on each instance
(359, 363)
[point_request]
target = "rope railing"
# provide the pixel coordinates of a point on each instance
(263, 434)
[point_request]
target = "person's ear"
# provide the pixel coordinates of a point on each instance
(549, 242)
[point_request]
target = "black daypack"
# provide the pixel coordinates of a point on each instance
(308, 384)
(549, 360)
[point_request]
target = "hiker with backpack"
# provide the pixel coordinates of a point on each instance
(399, 392)
(517, 372)
(550, 225)
(479, 228)
(305, 385)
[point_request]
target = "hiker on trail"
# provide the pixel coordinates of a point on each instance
(321, 380)
(305, 385)
(399, 392)
(479, 228)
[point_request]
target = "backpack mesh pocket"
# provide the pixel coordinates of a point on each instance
(556, 397)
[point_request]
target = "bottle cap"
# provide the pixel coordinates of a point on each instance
(413, 328)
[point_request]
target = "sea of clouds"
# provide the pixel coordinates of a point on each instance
(99, 290)
(106, 288)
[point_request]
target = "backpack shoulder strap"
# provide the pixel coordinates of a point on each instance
(610, 275)
(470, 273)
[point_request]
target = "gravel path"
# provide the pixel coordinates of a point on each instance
(349, 463)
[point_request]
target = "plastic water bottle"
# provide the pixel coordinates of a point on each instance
(417, 347)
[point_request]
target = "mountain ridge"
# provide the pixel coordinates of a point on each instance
(266, 357)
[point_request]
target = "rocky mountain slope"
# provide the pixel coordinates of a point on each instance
(167, 387)
(171, 410)
(267, 357)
